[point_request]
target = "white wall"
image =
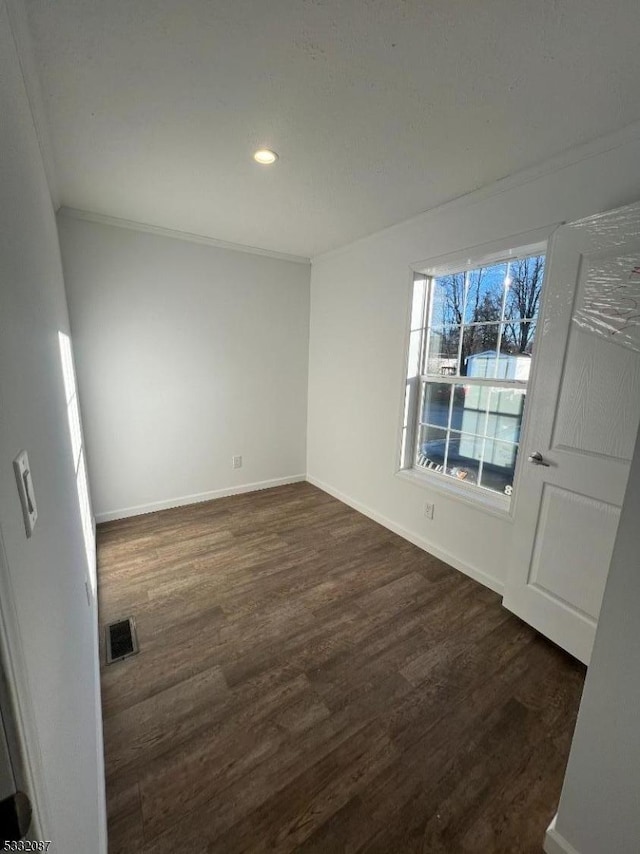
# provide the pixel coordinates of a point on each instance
(359, 303)
(187, 355)
(50, 627)
(600, 804)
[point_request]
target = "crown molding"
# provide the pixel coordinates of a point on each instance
(19, 24)
(564, 160)
(174, 234)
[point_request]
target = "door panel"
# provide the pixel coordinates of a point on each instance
(575, 537)
(584, 411)
(600, 398)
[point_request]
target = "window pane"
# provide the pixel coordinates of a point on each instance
(447, 300)
(485, 292)
(417, 305)
(500, 454)
(505, 412)
(525, 288)
(517, 339)
(442, 351)
(482, 410)
(479, 350)
(463, 459)
(435, 404)
(432, 446)
(430, 434)
(528, 334)
(499, 465)
(415, 345)
(469, 411)
(513, 366)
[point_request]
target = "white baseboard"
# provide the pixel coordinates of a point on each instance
(555, 843)
(141, 509)
(422, 543)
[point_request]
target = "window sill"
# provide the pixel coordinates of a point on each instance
(487, 502)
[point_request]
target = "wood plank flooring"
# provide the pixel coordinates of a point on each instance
(308, 681)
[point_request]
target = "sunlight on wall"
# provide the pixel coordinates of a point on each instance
(75, 432)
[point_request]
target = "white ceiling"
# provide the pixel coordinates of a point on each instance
(379, 109)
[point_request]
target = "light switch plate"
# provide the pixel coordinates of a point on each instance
(22, 471)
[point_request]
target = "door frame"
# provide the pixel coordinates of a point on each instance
(17, 709)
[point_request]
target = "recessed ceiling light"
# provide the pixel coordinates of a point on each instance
(265, 156)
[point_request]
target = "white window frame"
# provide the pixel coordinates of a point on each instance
(511, 248)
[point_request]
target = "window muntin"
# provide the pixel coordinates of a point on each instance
(470, 352)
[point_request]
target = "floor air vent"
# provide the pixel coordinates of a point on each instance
(121, 640)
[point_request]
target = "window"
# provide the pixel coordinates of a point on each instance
(471, 345)
(79, 465)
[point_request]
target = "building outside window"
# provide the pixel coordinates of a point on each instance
(471, 346)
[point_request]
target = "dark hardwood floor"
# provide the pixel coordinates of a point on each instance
(308, 681)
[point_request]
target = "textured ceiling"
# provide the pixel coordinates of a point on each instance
(379, 109)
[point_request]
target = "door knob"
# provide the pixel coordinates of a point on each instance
(537, 459)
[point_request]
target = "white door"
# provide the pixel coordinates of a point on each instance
(584, 411)
(15, 804)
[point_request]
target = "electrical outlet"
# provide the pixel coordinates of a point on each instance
(428, 510)
(236, 462)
